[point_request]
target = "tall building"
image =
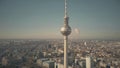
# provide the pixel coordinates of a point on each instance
(89, 62)
(65, 30)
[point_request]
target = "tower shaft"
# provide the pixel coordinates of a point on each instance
(65, 52)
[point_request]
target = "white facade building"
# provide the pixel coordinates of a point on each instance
(89, 63)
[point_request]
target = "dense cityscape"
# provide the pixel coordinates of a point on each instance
(25, 19)
(50, 53)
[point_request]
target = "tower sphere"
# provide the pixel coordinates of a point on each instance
(65, 30)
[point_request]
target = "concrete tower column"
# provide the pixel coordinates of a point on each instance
(65, 52)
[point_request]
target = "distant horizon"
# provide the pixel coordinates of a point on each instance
(54, 39)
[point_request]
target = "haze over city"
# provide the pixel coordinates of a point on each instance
(42, 19)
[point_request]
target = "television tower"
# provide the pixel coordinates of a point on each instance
(65, 30)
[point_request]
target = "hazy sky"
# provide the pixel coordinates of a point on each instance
(94, 19)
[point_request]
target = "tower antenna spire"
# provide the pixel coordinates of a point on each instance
(65, 8)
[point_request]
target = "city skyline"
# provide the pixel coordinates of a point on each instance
(42, 19)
